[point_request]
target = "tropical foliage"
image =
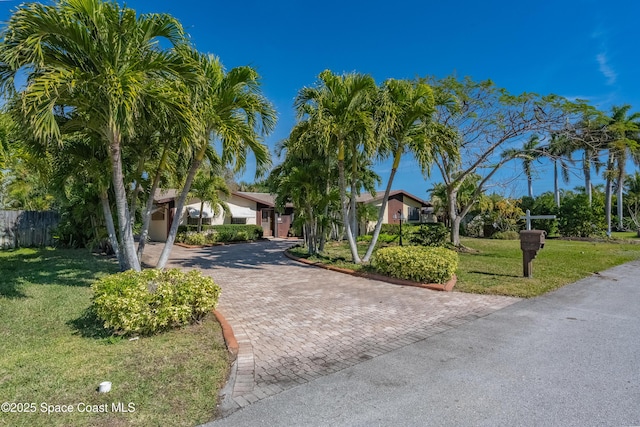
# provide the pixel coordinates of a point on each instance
(129, 96)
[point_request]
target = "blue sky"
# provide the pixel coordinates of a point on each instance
(579, 48)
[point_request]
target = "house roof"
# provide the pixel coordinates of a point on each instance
(368, 197)
(264, 198)
(164, 196)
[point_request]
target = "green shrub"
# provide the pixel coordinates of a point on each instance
(420, 264)
(390, 229)
(544, 204)
(506, 235)
(365, 238)
(190, 227)
(151, 301)
(429, 235)
(210, 237)
(218, 233)
(576, 218)
(387, 238)
(237, 232)
(193, 238)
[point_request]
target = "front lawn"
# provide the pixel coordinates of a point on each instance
(495, 266)
(52, 353)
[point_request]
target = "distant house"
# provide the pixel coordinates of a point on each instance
(244, 207)
(401, 204)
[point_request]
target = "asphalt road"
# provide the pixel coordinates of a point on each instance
(569, 358)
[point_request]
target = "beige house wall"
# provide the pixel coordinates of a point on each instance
(158, 227)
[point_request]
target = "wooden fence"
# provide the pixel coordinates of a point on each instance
(27, 228)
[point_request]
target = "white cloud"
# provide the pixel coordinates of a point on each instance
(606, 69)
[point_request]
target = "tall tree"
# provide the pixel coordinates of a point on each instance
(341, 106)
(101, 61)
(529, 152)
(403, 118)
(625, 132)
(559, 150)
(209, 187)
(483, 120)
(232, 109)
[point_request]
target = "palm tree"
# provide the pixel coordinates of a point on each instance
(632, 198)
(529, 152)
(559, 151)
(403, 118)
(341, 108)
(101, 61)
(208, 187)
(230, 107)
(625, 134)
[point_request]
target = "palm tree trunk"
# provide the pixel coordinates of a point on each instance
(345, 212)
(125, 226)
(383, 207)
(556, 184)
(325, 221)
(111, 228)
(620, 200)
(453, 216)
(200, 216)
(133, 204)
(352, 197)
(530, 185)
(166, 251)
(608, 194)
(146, 215)
(586, 170)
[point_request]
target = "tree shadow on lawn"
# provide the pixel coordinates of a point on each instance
(486, 273)
(88, 325)
(64, 267)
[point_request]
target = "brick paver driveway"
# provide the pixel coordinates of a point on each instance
(295, 322)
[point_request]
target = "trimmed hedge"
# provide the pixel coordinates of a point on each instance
(506, 235)
(420, 264)
(435, 234)
(219, 233)
(151, 301)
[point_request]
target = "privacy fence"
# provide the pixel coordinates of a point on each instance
(27, 228)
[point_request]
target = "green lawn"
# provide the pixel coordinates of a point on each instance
(495, 266)
(52, 353)
(631, 235)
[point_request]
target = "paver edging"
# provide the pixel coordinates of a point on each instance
(446, 287)
(227, 333)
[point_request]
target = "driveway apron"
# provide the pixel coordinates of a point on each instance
(295, 323)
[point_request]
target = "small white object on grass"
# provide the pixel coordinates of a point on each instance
(104, 387)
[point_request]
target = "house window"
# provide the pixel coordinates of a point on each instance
(238, 220)
(414, 214)
(194, 221)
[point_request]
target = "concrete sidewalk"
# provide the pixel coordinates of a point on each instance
(570, 358)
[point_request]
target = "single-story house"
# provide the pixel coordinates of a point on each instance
(401, 204)
(245, 208)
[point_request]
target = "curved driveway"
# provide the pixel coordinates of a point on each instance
(295, 323)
